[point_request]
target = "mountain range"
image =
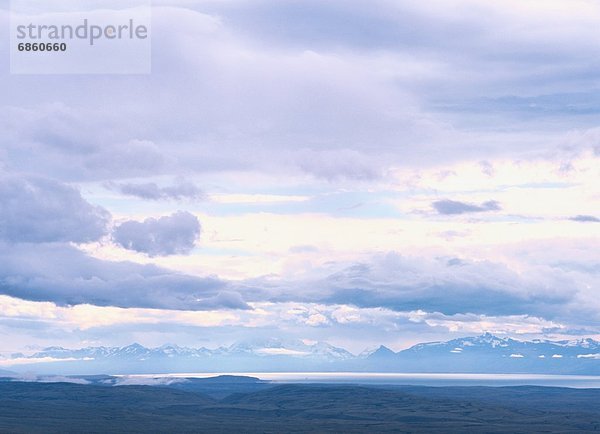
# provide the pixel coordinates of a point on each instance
(481, 354)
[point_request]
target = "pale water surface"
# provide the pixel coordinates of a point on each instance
(576, 381)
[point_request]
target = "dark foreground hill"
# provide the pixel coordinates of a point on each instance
(73, 408)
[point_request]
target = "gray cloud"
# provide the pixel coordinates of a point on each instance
(64, 275)
(169, 235)
(585, 219)
(34, 209)
(72, 143)
(305, 90)
(132, 158)
(338, 164)
(445, 285)
(452, 207)
(151, 191)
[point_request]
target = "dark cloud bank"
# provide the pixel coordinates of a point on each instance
(64, 275)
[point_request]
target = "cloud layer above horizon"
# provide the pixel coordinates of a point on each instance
(333, 170)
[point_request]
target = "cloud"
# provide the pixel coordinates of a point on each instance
(170, 235)
(132, 157)
(345, 92)
(361, 326)
(328, 99)
(36, 210)
(151, 191)
(40, 217)
(339, 164)
(66, 276)
(405, 283)
(85, 317)
(60, 378)
(452, 207)
(585, 219)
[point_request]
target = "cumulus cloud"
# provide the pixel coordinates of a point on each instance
(585, 219)
(35, 209)
(151, 191)
(453, 207)
(170, 235)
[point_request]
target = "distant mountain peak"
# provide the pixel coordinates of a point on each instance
(488, 337)
(55, 348)
(134, 345)
(382, 351)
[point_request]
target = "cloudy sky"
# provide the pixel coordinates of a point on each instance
(362, 173)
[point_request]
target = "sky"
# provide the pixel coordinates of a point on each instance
(360, 173)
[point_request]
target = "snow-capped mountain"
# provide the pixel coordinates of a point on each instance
(379, 352)
(481, 354)
(491, 354)
(264, 348)
(507, 347)
(297, 348)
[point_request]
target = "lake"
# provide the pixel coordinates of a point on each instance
(574, 381)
